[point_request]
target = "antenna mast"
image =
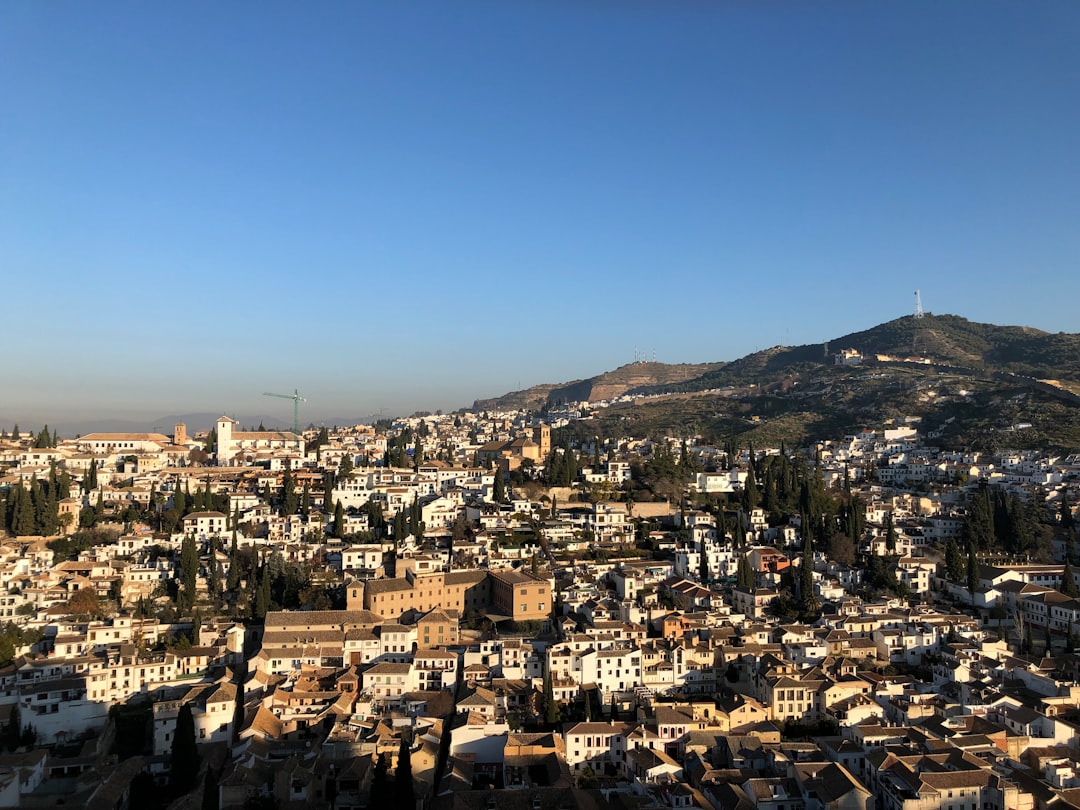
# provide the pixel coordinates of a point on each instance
(918, 306)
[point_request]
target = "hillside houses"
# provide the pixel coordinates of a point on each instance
(316, 607)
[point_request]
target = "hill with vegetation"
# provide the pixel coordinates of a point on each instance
(631, 378)
(972, 384)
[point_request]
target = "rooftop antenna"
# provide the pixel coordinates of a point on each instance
(296, 400)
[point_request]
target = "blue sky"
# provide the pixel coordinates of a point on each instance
(410, 205)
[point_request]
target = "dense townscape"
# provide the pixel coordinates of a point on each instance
(483, 610)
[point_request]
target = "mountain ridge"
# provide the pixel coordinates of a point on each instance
(947, 339)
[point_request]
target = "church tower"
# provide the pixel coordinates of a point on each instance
(179, 435)
(224, 428)
(542, 437)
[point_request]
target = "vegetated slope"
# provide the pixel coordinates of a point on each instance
(946, 339)
(529, 399)
(961, 410)
(630, 378)
(958, 341)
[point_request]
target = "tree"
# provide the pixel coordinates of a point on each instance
(262, 594)
(890, 533)
(339, 520)
(380, 789)
(211, 795)
(807, 593)
(144, 792)
(346, 468)
(972, 571)
(552, 712)
(189, 573)
(841, 548)
(85, 602)
(1068, 581)
(289, 501)
(233, 578)
(751, 497)
(184, 767)
(404, 789)
(499, 493)
(954, 561)
(13, 730)
(744, 575)
(978, 526)
(305, 500)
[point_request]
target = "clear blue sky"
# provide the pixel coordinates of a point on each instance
(410, 205)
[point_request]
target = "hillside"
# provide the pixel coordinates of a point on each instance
(976, 388)
(631, 378)
(946, 339)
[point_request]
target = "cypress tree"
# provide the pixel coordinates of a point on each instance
(890, 533)
(750, 495)
(22, 521)
(1068, 580)
(404, 789)
(954, 563)
(380, 792)
(262, 594)
(189, 573)
(552, 713)
(289, 501)
(233, 578)
(13, 730)
(339, 520)
(211, 796)
(184, 767)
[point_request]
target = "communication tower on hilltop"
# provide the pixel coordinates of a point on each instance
(918, 306)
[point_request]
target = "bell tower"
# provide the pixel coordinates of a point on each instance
(542, 436)
(224, 429)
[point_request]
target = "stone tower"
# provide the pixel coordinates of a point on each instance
(542, 437)
(180, 434)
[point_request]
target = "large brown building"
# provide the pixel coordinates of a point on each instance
(508, 455)
(520, 596)
(509, 594)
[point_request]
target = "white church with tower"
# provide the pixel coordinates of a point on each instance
(233, 442)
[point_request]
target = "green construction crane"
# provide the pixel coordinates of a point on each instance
(296, 400)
